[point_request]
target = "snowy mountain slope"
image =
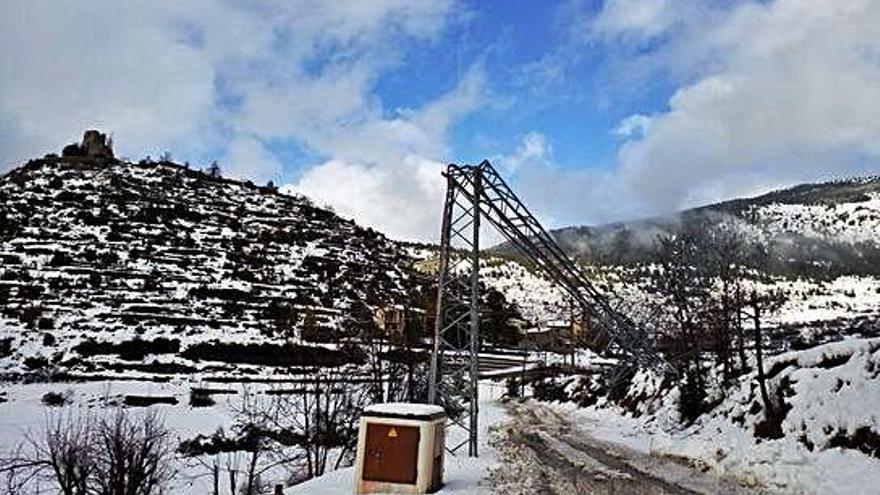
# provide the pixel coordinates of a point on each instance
(101, 259)
(826, 229)
(850, 222)
(536, 296)
(816, 311)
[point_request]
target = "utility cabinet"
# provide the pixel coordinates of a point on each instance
(400, 449)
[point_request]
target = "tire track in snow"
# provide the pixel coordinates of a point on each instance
(542, 452)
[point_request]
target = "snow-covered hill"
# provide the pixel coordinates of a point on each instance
(535, 295)
(848, 222)
(816, 311)
(826, 229)
(161, 266)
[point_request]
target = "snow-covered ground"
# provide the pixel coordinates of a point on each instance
(779, 465)
(844, 222)
(24, 414)
(464, 475)
(811, 300)
(545, 451)
(833, 392)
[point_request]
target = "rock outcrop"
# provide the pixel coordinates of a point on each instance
(94, 145)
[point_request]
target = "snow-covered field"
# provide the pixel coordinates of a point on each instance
(24, 414)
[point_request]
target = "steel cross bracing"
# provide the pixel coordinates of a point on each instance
(475, 192)
(453, 375)
(510, 216)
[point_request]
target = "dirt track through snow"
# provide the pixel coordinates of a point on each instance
(543, 453)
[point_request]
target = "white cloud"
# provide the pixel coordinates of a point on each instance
(533, 150)
(386, 173)
(247, 158)
(155, 73)
(206, 78)
(770, 94)
(640, 18)
(404, 199)
(73, 66)
(558, 195)
(633, 126)
(797, 96)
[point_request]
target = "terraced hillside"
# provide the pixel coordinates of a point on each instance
(111, 267)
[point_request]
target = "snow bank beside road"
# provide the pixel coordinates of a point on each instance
(831, 430)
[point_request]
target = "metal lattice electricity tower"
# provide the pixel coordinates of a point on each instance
(454, 361)
(474, 193)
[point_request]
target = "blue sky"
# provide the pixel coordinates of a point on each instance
(507, 38)
(596, 111)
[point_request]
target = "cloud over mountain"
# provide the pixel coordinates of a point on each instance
(768, 93)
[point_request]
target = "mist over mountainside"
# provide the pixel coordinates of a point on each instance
(104, 262)
(817, 230)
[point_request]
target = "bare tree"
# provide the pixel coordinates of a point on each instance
(374, 344)
(219, 457)
(306, 430)
(760, 306)
(684, 289)
(254, 418)
(80, 455)
(684, 278)
(324, 413)
(60, 456)
(726, 259)
(407, 362)
(134, 454)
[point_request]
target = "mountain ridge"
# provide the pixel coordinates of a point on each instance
(819, 230)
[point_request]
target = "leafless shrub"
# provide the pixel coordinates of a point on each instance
(77, 454)
(305, 428)
(59, 457)
(134, 455)
(299, 433)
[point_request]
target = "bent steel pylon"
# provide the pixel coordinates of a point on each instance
(474, 193)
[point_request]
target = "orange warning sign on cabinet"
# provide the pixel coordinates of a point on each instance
(392, 433)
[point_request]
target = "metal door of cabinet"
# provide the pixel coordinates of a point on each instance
(391, 453)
